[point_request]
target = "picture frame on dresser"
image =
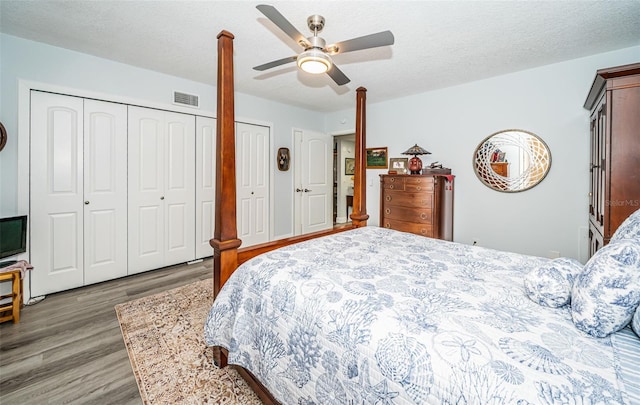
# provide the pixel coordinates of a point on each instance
(377, 158)
(399, 165)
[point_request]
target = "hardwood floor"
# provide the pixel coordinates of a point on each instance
(68, 348)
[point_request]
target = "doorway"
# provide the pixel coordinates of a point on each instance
(344, 147)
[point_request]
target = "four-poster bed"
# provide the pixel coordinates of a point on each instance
(372, 315)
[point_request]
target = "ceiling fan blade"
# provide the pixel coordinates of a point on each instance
(368, 41)
(337, 75)
(278, 19)
(276, 63)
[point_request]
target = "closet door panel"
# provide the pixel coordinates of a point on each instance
(180, 188)
(56, 200)
(205, 184)
(146, 200)
(105, 191)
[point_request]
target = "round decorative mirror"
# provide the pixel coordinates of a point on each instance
(512, 160)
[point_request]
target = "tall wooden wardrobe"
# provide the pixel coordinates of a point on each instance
(614, 102)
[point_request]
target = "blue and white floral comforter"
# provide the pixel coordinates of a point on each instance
(376, 316)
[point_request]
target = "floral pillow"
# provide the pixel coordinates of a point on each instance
(629, 228)
(607, 292)
(635, 322)
(550, 284)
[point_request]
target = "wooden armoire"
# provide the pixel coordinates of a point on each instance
(614, 102)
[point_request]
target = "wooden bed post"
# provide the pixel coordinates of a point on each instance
(225, 240)
(359, 214)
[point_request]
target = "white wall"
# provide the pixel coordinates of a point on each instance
(22, 59)
(451, 122)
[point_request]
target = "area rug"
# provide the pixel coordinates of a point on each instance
(163, 334)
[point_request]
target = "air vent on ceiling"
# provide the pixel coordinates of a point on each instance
(190, 100)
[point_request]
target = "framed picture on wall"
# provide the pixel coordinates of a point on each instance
(349, 166)
(377, 158)
(399, 165)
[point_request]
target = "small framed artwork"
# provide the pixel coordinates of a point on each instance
(377, 158)
(349, 166)
(399, 165)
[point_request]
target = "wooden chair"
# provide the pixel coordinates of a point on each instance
(11, 310)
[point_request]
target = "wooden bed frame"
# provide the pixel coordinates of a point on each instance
(226, 253)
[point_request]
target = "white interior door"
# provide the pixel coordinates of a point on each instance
(205, 184)
(105, 191)
(313, 178)
(56, 200)
(146, 189)
(252, 183)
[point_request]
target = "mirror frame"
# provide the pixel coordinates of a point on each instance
(487, 176)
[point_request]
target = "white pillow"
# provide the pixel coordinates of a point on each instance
(635, 322)
(628, 229)
(550, 284)
(607, 292)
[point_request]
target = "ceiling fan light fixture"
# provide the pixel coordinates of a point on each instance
(314, 61)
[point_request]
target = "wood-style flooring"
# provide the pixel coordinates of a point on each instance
(68, 348)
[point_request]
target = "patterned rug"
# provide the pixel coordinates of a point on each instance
(163, 334)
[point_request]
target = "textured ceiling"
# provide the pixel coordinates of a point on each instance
(437, 43)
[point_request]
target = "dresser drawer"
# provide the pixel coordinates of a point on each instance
(419, 229)
(419, 184)
(393, 183)
(406, 199)
(417, 215)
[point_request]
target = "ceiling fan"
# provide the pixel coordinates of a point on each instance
(316, 57)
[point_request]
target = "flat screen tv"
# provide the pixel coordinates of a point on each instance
(13, 236)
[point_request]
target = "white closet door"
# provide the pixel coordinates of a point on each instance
(146, 189)
(180, 188)
(56, 200)
(252, 183)
(105, 191)
(161, 188)
(205, 184)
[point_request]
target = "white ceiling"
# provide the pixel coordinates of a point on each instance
(437, 43)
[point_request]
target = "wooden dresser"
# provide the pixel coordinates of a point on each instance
(614, 102)
(420, 204)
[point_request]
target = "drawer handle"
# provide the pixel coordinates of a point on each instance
(388, 198)
(392, 179)
(391, 186)
(423, 231)
(418, 188)
(423, 216)
(387, 225)
(387, 211)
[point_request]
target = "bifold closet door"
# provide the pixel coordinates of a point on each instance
(56, 211)
(105, 191)
(205, 184)
(77, 192)
(161, 159)
(252, 183)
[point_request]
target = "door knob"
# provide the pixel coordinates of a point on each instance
(306, 190)
(162, 198)
(86, 203)
(298, 190)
